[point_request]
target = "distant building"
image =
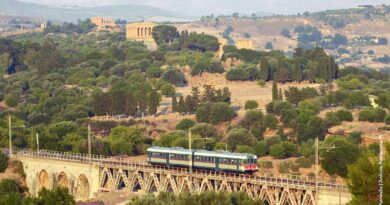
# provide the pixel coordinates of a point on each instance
(246, 44)
(142, 31)
(103, 22)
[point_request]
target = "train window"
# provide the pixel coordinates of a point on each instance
(245, 161)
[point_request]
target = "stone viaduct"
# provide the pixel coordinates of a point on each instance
(87, 175)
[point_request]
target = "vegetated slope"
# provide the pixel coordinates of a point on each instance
(126, 12)
(266, 29)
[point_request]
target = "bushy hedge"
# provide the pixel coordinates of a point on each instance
(372, 115)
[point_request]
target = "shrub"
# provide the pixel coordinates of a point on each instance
(261, 149)
(17, 168)
(305, 162)
(239, 136)
(372, 115)
(284, 150)
(237, 74)
(154, 72)
(168, 89)
(344, 115)
(215, 113)
(11, 100)
(270, 121)
(185, 124)
(332, 119)
(356, 137)
(284, 166)
(294, 167)
(261, 83)
(251, 104)
(265, 164)
(387, 120)
(269, 45)
(174, 76)
(245, 149)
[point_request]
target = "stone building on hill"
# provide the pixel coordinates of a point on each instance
(102, 22)
(141, 31)
(247, 44)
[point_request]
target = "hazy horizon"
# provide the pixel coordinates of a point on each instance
(204, 7)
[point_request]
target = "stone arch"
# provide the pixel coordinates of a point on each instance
(142, 31)
(82, 188)
(43, 180)
(62, 180)
(150, 31)
(138, 31)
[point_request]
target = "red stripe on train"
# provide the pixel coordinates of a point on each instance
(250, 166)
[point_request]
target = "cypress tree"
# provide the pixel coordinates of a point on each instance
(297, 74)
(181, 106)
(280, 94)
(264, 69)
(275, 91)
(153, 102)
(174, 104)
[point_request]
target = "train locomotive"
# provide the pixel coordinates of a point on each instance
(201, 159)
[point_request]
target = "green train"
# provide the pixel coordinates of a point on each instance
(212, 160)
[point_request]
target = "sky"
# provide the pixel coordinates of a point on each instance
(204, 7)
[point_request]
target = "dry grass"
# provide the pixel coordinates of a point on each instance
(241, 91)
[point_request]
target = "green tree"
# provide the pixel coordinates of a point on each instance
(363, 180)
(174, 104)
(153, 102)
(205, 130)
(10, 192)
(3, 162)
(214, 112)
(284, 150)
(265, 70)
(372, 115)
(124, 140)
(286, 33)
(297, 74)
(275, 91)
(344, 115)
(280, 96)
(357, 99)
(182, 106)
(168, 89)
(185, 124)
(269, 45)
(165, 34)
(261, 149)
(174, 76)
(336, 161)
(239, 136)
(245, 149)
(59, 195)
(11, 100)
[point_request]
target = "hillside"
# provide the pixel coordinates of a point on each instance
(354, 24)
(72, 14)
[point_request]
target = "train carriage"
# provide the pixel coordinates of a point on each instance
(213, 160)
